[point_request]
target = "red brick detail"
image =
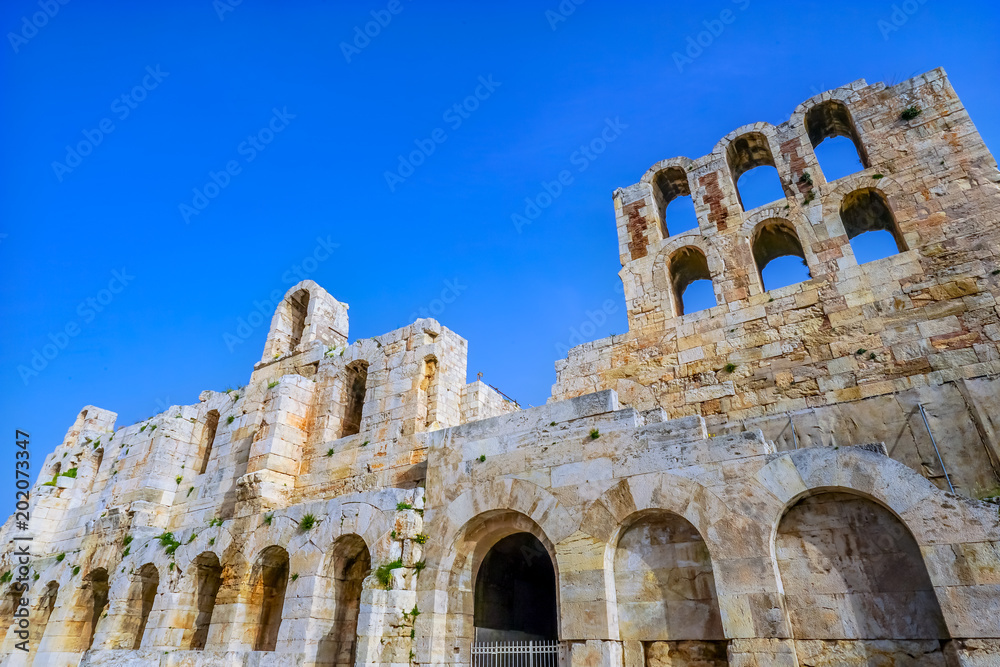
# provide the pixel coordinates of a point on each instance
(637, 226)
(797, 163)
(717, 213)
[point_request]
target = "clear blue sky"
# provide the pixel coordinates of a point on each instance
(552, 86)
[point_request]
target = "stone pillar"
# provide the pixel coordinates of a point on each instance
(276, 452)
(594, 653)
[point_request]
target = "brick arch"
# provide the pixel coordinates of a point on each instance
(664, 191)
(789, 226)
(727, 535)
(844, 95)
(608, 516)
(841, 94)
(870, 475)
(887, 185)
(660, 551)
(891, 191)
(880, 588)
(680, 161)
(662, 278)
(721, 153)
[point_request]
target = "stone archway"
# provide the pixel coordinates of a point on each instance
(856, 587)
(665, 592)
(515, 592)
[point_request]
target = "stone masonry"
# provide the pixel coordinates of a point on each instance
(752, 485)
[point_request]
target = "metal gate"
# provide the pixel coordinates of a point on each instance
(516, 654)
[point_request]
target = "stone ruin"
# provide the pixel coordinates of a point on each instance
(786, 478)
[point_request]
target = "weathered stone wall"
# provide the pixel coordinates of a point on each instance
(346, 505)
(924, 317)
(789, 560)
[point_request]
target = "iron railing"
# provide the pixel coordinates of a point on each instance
(516, 654)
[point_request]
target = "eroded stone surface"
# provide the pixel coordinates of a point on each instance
(692, 483)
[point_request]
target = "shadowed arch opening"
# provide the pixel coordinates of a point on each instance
(208, 580)
(208, 439)
(96, 588)
(515, 592)
(754, 172)
(355, 387)
(11, 601)
(46, 605)
(775, 239)
(428, 393)
(139, 603)
(350, 563)
(665, 592)
(268, 581)
(835, 140)
(298, 308)
(855, 581)
(870, 225)
(688, 268)
(674, 204)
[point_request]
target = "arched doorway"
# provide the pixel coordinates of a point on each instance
(515, 594)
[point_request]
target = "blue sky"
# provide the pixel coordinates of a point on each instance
(292, 134)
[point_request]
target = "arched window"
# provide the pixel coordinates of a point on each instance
(754, 172)
(835, 140)
(428, 393)
(673, 201)
(97, 582)
(208, 438)
(515, 597)
(870, 225)
(208, 580)
(99, 453)
(141, 595)
(350, 563)
(355, 387)
(691, 281)
(269, 579)
(298, 308)
(665, 592)
(778, 254)
(853, 574)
